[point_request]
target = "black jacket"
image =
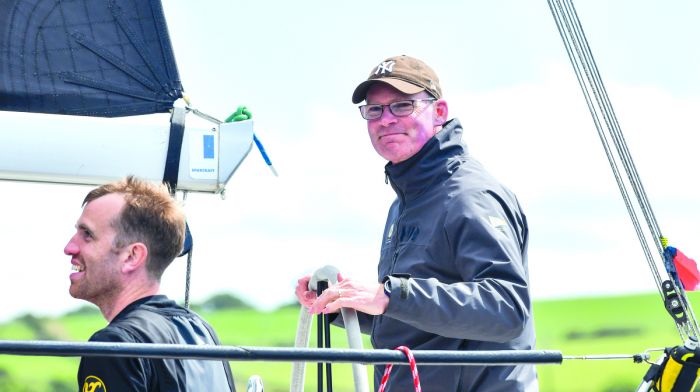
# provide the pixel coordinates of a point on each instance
(155, 319)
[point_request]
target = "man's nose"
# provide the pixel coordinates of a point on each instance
(71, 247)
(387, 117)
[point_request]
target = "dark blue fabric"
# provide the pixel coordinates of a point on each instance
(669, 254)
(105, 58)
(187, 245)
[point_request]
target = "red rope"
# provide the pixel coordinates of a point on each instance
(411, 363)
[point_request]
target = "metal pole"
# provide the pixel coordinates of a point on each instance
(276, 354)
(320, 286)
(327, 332)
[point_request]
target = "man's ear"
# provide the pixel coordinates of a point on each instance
(136, 257)
(441, 112)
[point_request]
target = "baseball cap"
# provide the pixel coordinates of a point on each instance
(406, 74)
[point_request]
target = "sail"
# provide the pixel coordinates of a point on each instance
(103, 58)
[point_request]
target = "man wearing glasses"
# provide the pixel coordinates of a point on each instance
(453, 264)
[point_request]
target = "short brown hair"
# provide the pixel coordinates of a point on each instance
(150, 216)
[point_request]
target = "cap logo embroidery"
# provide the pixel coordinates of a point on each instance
(385, 67)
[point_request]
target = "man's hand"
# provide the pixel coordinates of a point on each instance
(348, 293)
(304, 295)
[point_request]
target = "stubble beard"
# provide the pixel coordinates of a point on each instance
(100, 293)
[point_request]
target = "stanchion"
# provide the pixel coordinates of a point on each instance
(323, 333)
(321, 279)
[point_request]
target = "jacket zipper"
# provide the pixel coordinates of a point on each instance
(402, 204)
(376, 320)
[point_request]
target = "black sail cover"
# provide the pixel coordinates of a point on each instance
(103, 58)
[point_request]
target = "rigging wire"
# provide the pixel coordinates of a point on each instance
(600, 107)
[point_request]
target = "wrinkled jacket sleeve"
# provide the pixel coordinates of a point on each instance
(486, 237)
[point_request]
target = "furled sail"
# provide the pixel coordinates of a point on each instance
(103, 58)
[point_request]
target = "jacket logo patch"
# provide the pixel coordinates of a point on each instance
(389, 233)
(497, 223)
(93, 384)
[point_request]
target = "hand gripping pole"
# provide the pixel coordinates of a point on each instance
(328, 274)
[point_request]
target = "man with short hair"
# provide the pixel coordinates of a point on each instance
(127, 235)
(453, 264)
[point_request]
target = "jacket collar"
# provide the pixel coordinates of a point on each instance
(437, 159)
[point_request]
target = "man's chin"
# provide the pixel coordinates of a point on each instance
(393, 153)
(75, 293)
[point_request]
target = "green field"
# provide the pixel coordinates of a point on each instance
(606, 325)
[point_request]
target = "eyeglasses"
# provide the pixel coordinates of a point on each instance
(398, 108)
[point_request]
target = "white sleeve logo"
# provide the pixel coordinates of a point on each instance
(497, 223)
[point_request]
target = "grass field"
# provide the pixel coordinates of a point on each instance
(609, 325)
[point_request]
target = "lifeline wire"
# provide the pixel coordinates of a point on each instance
(602, 111)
